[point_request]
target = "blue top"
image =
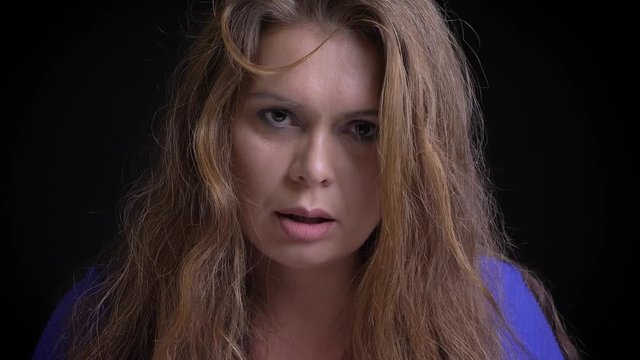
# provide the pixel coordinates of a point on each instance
(522, 312)
(519, 307)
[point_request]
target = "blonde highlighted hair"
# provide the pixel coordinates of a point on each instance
(178, 286)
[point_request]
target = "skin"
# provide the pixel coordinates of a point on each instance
(306, 137)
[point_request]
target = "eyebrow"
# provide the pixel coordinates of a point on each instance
(294, 104)
(271, 96)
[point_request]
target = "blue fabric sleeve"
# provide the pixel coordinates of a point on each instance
(53, 340)
(523, 314)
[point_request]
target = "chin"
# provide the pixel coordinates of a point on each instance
(309, 260)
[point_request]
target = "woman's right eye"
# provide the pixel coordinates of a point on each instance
(276, 117)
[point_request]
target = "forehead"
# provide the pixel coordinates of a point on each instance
(346, 65)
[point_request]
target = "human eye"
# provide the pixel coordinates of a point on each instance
(276, 117)
(364, 131)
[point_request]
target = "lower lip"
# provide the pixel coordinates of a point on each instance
(303, 231)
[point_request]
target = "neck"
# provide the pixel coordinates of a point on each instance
(318, 293)
(310, 308)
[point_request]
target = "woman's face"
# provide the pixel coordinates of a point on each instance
(305, 138)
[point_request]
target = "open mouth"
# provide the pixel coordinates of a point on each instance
(305, 229)
(303, 219)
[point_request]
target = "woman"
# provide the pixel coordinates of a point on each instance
(317, 194)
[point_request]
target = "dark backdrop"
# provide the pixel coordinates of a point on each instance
(85, 81)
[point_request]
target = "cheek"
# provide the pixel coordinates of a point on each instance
(243, 164)
(256, 163)
(374, 192)
(364, 188)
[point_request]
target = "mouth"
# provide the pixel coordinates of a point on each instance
(304, 219)
(301, 214)
(305, 228)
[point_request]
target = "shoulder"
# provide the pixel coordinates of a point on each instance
(521, 311)
(52, 342)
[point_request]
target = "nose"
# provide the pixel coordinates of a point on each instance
(312, 164)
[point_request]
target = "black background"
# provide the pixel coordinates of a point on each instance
(85, 81)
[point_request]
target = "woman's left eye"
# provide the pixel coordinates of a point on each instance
(276, 117)
(364, 131)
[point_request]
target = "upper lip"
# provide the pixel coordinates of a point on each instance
(301, 211)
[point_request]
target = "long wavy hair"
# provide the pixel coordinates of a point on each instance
(178, 287)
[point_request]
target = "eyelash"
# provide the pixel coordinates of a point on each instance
(371, 135)
(266, 114)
